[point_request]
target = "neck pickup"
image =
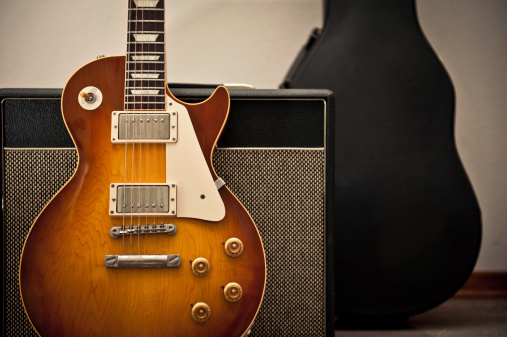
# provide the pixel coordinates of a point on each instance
(144, 127)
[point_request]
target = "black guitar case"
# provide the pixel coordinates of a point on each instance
(408, 225)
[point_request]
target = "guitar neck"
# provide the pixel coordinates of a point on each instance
(145, 78)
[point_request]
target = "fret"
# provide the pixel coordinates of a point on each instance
(145, 42)
(150, 80)
(145, 26)
(146, 62)
(146, 9)
(148, 54)
(145, 21)
(142, 87)
(140, 107)
(145, 98)
(144, 95)
(147, 32)
(144, 105)
(146, 71)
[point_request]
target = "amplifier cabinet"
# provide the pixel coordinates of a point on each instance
(276, 156)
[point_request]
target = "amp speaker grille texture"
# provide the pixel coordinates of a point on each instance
(282, 189)
(32, 178)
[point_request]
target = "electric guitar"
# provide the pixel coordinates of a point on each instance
(144, 239)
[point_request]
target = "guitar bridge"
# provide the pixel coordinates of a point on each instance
(138, 199)
(169, 229)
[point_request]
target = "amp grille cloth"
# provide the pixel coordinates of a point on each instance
(282, 189)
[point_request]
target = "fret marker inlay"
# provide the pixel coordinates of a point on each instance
(145, 37)
(144, 92)
(145, 75)
(145, 57)
(146, 3)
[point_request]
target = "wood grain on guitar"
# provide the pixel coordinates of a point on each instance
(142, 272)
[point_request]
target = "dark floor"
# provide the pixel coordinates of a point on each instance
(467, 317)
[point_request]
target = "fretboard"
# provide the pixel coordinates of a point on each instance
(145, 68)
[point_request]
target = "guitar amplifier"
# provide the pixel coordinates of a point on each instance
(276, 156)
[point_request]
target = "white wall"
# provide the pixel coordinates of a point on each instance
(470, 37)
(255, 41)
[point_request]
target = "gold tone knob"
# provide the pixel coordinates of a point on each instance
(233, 247)
(200, 267)
(233, 292)
(201, 312)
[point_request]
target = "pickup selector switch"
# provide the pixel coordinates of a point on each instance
(233, 247)
(90, 98)
(200, 267)
(233, 292)
(201, 312)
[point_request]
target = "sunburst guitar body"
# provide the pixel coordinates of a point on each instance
(144, 240)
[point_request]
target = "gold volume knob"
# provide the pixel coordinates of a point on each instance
(201, 312)
(233, 292)
(200, 267)
(233, 247)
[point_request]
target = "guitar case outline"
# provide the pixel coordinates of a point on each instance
(408, 224)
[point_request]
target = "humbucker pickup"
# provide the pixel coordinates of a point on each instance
(142, 199)
(144, 127)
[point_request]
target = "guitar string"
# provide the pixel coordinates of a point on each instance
(140, 144)
(131, 122)
(138, 122)
(141, 94)
(154, 173)
(160, 239)
(127, 109)
(164, 83)
(147, 152)
(146, 133)
(148, 147)
(144, 102)
(154, 148)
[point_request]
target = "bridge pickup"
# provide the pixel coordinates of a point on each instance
(139, 199)
(170, 229)
(142, 261)
(144, 127)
